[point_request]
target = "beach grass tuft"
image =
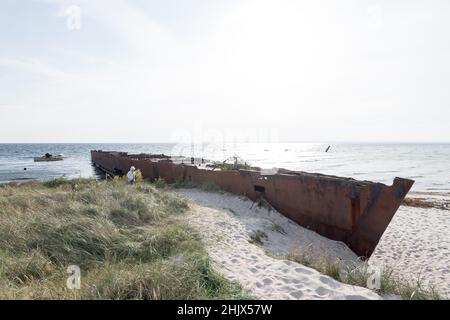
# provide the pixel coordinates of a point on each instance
(257, 237)
(130, 242)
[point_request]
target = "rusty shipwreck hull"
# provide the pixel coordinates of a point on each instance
(354, 212)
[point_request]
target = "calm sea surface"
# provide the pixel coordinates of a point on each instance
(428, 164)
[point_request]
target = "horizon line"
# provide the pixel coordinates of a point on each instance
(241, 142)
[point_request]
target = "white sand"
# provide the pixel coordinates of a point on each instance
(417, 244)
(225, 223)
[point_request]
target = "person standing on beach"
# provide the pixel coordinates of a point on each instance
(131, 175)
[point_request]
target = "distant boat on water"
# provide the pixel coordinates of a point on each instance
(48, 157)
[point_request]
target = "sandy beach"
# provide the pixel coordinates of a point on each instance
(226, 222)
(416, 243)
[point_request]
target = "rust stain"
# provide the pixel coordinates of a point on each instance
(343, 209)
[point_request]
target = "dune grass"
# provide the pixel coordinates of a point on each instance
(130, 242)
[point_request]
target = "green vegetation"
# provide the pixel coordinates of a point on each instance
(160, 183)
(360, 276)
(235, 163)
(257, 237)
(131, 242)
(278, 228)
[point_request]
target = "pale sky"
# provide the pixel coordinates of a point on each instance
(157, 71)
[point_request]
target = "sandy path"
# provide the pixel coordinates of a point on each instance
(225, 222)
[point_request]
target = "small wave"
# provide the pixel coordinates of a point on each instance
(335, 165)
(18, 180)
(437, 189)
(388, 171)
